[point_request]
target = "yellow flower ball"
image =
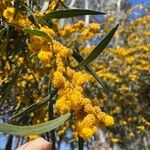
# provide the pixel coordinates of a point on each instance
(9, 13)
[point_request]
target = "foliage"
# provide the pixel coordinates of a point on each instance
(31, 59)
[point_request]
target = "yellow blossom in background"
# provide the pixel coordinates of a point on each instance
(142, 128)
(115, 140)
(94, 27)
(71, 28)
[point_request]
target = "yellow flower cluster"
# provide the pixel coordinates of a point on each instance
(110, 19)
(78, 29)
(3, 5)
(106, 75)
(18, 20)
(69, 82)
(71, 28)
(45, 56)
(9, 13)
(42, 46)
(72, 99)
(85, 126)
(115, 140)
(86, 50)
(90, 31)
(88, 116)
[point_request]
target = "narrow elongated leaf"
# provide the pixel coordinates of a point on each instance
(88, 68)
(67, 13)
(34, 106)
(31, 108)
(31, 16)
(33, 129)
(17, 4)
(99, 48)
(38, 33)
(8, 87)
(2, 31)
(30, 3)
(81, 144)
(3, 51)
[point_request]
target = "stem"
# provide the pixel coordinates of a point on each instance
(9, 143)
(51, 116)
(81, 143)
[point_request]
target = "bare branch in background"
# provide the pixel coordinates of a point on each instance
(87, 17)
(72, 3)
(44, 5)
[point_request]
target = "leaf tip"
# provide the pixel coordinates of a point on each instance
(117, 26)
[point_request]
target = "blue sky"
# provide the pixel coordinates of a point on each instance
(139, 12)
(136, 2)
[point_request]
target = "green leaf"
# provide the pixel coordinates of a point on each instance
(38, 33)
(99, 48)
(3, 51)
(31, 16)
(2, 31)
(88, 68)
(17, 4)
(34, 106)
(81, 143)
(67, 13)
(30, 3)
(8, 87)
(33, 129)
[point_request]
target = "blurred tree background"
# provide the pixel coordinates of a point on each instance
(124, 68)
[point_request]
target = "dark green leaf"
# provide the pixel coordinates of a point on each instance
(9, 142)
(35, 3)
(31, 16)
(33, 129)
(16, 4)
(88, 68)
(38, 33)
(99, 48)
(2, 31)
(67, 13)
(63, 4)
(34, 106)
(7, 89)
(81, 144)
(3, 51)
